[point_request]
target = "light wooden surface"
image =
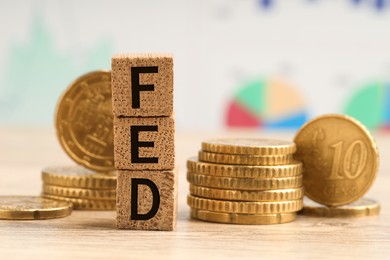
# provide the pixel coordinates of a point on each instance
(91, 234)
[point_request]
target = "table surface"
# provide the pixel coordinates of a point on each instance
(92, 234)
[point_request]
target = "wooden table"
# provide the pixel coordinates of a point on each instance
(92, 234)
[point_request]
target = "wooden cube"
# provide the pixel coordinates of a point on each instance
(146, 200)
(142, 85)
(144, 143)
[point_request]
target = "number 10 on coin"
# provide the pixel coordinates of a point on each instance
(340, 159)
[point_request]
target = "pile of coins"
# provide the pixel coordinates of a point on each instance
(245, 181)
(84, 188)
(84, 124)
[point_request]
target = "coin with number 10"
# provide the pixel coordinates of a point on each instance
(340, 159)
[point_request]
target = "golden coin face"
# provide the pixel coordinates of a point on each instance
(360, 208)
(84, 121)
(340, 159)
(30, 207)
(78, 177)
(249, 146)
(243, 219)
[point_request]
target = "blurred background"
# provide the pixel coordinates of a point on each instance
(260, 64)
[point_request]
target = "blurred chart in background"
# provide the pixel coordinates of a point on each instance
(36, 72)
(266, 104)
(371, 105)
(264, 64)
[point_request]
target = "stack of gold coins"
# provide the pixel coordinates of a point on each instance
(84, 188)
(340, 162)
(245, 181)
(84, 124)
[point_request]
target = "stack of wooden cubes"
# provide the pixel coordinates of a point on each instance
(144, 133)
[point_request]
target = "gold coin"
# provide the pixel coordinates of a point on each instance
(340, 159)
(249, 146)
(244, 207)
(246, 195)
(245, 159)
(84, 121)
(31, 207)
(244, 183)
(93, 194)
(84, 203)
(360, 208)
(244, 171)
(78, 177)
(243, 219)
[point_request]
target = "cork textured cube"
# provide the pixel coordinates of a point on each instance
(142, 85)
(155, 200)
(144, 143)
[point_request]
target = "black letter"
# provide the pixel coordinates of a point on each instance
(136, 87)
(134, 199)
(135, 143)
